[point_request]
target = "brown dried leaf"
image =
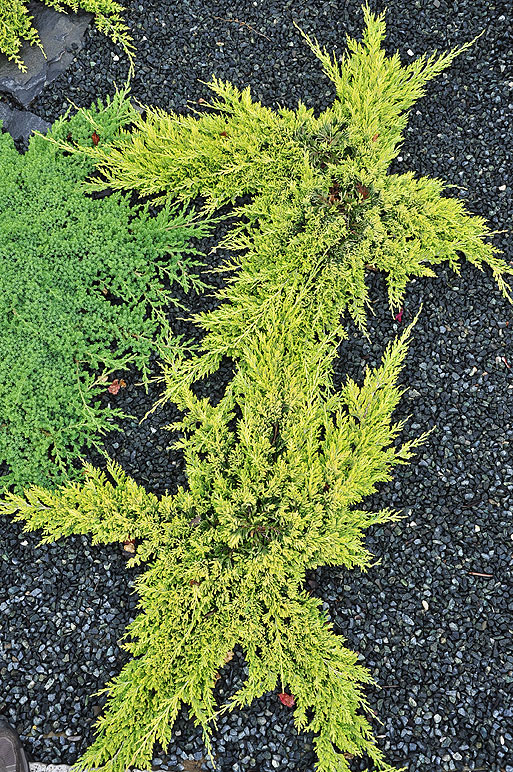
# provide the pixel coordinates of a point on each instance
(129, 546)
(190, 765)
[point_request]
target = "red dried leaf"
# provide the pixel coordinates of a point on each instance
(362, 190)
(116, 385)
(399, 316)
(287, 699)
(95, 137)
(375, 137)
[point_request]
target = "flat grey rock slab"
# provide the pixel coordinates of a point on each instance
(61, 35)
(21, 123)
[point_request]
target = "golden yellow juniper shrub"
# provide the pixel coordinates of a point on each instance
(278, 468)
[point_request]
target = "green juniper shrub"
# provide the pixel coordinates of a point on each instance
(84, 287)
(16, 24)
(278, 468)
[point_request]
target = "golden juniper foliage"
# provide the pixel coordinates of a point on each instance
(265, 503)
(277, 469)
(16, 24)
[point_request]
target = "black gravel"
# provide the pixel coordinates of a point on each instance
(434, 631)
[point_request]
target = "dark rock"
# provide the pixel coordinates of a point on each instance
(21, 123)
(60, 35)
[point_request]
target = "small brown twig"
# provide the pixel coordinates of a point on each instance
(476, 573)
(243, 24)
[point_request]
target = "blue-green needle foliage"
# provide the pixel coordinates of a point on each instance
(278, 468)
(82, 293)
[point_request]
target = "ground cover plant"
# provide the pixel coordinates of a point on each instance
(84, 285)
(16, 24)
(278, 468)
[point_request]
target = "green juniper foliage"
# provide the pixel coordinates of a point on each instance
(16, 24)
(278, 468)
(82, 293)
